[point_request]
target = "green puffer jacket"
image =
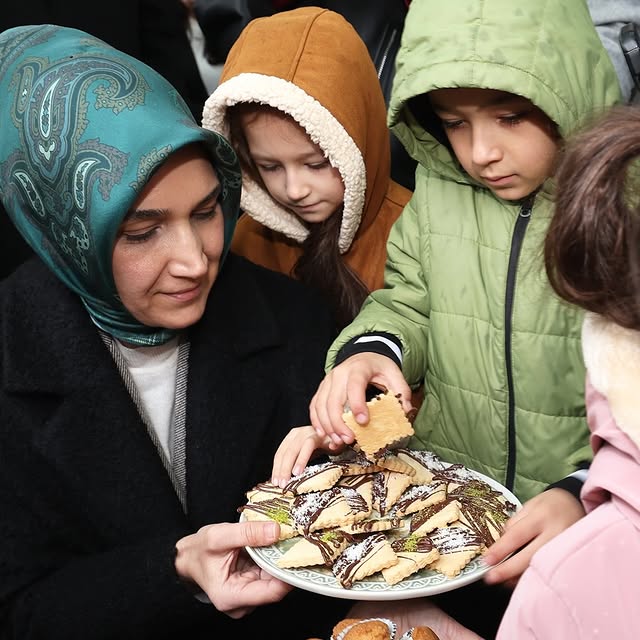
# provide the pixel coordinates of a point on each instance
(466, 292)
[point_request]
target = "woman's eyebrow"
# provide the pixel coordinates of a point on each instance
(214, 194)
(144, 214)
(149, 214)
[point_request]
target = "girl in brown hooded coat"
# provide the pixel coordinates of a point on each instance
(300, 99)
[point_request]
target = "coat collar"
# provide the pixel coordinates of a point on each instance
(612, 357)
(236, 320)
(79, 436)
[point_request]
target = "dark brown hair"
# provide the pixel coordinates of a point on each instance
(592, 250)
(320, 266)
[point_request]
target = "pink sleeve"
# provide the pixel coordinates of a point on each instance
(536, 612)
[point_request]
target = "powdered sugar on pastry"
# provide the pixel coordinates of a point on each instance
(457, 547)
(418, 497)
(314, 478)
(363, 559)
(434, 516)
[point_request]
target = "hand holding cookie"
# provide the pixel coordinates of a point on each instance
(346, 386)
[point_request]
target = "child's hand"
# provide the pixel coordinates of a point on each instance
(345, 387)
(540, 519)
(295, 451)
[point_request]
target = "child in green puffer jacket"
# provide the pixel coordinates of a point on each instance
(483, 97)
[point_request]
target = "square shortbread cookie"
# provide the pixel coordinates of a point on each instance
(388, 425)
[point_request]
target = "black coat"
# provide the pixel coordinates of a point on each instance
(89, 517)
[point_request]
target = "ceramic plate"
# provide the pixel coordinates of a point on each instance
(422, 583)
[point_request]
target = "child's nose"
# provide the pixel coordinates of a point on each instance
(485, 148)
(297, 187)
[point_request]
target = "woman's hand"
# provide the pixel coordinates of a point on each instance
(540, 519)
(215, 560)
(346, 386)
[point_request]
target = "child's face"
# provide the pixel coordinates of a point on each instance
(293, 168)
(502, 140)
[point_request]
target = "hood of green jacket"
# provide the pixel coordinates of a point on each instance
(545, 50)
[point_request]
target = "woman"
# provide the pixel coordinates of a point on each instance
(146, 375)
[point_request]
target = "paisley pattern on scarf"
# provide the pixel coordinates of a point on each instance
(84, 127)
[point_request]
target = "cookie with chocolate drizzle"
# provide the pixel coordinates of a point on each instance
(363, 559)
(483, 509)
(457, 545)
(414, 552)
(388, 426)
(278, 509)
(320, 548)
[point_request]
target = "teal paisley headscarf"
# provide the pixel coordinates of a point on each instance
(82, 129)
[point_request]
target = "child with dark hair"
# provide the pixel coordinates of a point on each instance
(300, 100)
(583, 583)
(484, 96)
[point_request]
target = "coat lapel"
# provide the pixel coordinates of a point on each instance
(230, 393)
(91, 434)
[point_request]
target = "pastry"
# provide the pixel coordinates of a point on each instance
(367, 629)
(388, 426)
(363, 559)
(424, 464)
(320, 548)
(354, 463)
(435, 515)
(389, 460)
(457, 546)
(278, 509)
(314, 478)
(414, 552)
(372, 524)
(363, 484)
(328, 509)
(417, 497)
(388, 486)
(483, 509)
(264, 491)
(377, 629)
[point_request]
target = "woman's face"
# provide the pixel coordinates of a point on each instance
(168, 247)
(293, 168)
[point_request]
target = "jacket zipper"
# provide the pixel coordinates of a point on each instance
(516, 245)
(381, 58)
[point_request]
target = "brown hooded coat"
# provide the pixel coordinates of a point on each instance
(312, 64)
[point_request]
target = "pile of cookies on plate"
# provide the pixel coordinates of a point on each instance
(380, 508)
